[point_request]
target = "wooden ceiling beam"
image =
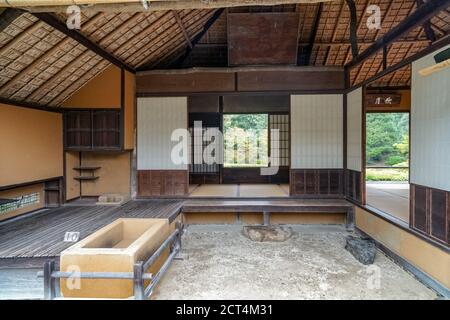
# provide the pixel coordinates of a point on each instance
(423, 13)
(335, 29)
(43, 58)
(146, 53)
(179, 62)
(80, 38)
(149, 63)
(8, 16)
(439, 44)
(313, 34)
(427, 25)
(165, 5)
(182, 28)
(67, 67)
(353, 27)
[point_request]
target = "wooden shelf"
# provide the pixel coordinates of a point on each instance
(86, 178)
(86, 168)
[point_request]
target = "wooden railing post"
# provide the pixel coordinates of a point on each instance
(49, 281)
(139, 293)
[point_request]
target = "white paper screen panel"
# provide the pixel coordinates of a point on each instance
(430, 126)
(157, 118)
(354, 129)
(317, 131)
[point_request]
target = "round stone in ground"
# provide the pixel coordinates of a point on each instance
(267, 233)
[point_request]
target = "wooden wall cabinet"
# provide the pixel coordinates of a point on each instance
(95, 129)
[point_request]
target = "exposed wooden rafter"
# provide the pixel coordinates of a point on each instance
(182, 28)
(161, 5)
(427, 25)
(423, 13)
(196, 27)
(312, 37)
(353, 27)
(86, 42)
(8, 16)
(44, 57)
(441, 43)
(179, 62)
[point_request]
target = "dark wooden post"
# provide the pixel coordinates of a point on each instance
(49, 281)
(139, 293)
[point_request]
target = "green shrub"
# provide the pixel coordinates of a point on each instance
(393, 160)
(387, 174)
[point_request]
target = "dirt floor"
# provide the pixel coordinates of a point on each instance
(220, 263)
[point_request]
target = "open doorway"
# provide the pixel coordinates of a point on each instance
(248, 143)
(387, 162)
(387, 144)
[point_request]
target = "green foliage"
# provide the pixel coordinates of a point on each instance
(387, 174)
(387, 138)
(256, 122)
(246, 140)
(394, 160)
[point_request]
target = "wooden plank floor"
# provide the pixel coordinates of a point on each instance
(42, 235)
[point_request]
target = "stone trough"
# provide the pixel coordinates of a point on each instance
(114, 248)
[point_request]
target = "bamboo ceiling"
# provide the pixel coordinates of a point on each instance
(41, 65)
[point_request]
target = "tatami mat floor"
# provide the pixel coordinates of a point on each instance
(239, 190)
(392, 198)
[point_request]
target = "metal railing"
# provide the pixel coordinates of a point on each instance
(52, 277)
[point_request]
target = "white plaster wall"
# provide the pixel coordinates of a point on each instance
(354, 129)
(430, 126)
(317, 131)
(157, 118)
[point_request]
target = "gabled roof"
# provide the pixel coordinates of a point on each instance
(41, 65)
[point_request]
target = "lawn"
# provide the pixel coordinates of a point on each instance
(393, 174)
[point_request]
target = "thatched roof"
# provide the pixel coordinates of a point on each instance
(41, 65)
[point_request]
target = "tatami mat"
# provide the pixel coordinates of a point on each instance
(239, 191)
(215, 190)
(262, 190)
(390, 198)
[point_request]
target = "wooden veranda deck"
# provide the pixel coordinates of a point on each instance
(42, 235)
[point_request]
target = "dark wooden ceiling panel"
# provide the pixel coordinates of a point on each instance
(262, 38)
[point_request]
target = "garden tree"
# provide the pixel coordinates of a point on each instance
(245, 140)
(255, 122)
(385, 138)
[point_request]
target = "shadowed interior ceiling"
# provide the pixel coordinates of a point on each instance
(43, 66)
